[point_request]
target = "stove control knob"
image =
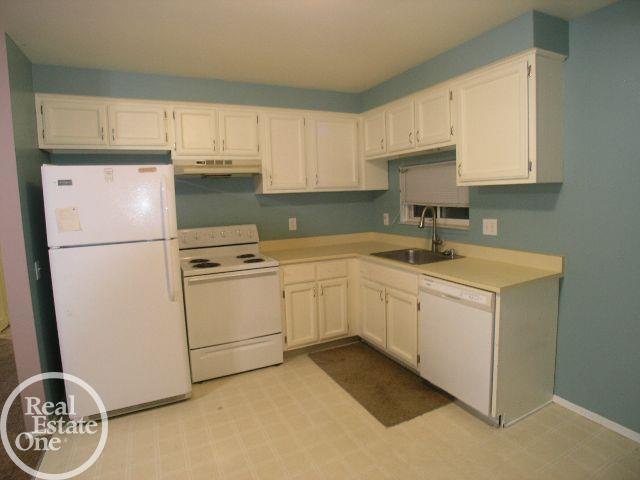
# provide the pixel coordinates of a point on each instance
(222, 234)
(239, 232)
(212, 235)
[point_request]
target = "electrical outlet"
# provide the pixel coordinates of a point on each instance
(385, 218)
(490, 226)
(293, 224)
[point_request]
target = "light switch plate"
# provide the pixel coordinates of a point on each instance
(490, 226)
(385, 218)
(293, 224)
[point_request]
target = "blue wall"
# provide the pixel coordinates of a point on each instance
(592, 217)
(106, 83)
(532, 29)
(29, 159)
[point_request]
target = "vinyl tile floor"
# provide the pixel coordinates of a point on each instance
(293, 422)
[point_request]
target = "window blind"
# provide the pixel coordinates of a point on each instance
(432, 184)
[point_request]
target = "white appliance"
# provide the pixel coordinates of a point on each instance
(194, 165)
(115, 271)
(232, 301)
(456, 340)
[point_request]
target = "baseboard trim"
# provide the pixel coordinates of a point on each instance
(605, 422)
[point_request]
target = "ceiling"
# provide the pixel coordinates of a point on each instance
(343, 45)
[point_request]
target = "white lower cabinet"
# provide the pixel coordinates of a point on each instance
(316, 302)
(373, 313)
(333, 308)
(402, 326)
(389, 316)
(301, 313)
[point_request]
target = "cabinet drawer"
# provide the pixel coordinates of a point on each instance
(303, 272)
(392, 277)
(332, 269)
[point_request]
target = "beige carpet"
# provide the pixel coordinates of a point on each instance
(388, 391)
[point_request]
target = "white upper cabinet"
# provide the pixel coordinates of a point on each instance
(400, 126)
(72, 122)
(196, 131)
(433, 117)
(334, 151)
(511, 121)
(239, 133)
(284, 165)
(138, 125)
(506, 121)
(374, 133)
(494, 124)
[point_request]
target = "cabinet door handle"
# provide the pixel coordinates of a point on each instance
(418, 136)
(270, 179)
(410, 137)
(382, 295)
(113, 134)
(460, 169)
(315, 292)
(223, 144)
(102, 133)
(214, 144)
(321, 290)
(382, 144)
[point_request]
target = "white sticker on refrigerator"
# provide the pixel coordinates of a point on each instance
(68, 219)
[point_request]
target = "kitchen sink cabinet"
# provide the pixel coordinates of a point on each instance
(389, 311)
(373, 313)
(316, 302)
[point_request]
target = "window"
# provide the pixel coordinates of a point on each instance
(433, 184)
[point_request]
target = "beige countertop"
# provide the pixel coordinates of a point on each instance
(507, 268)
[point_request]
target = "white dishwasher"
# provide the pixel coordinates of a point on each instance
(456, 340)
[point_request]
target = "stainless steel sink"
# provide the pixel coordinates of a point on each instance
(415, 256)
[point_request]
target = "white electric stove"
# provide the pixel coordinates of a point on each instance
(232, 301)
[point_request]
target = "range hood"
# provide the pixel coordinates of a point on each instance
(217, 167)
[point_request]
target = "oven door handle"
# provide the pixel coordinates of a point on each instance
(222, 276)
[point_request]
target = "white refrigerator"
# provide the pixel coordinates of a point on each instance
(115, 271)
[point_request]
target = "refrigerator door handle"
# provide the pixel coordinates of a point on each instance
(165, 208)
(168, 260)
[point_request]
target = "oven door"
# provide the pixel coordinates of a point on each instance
(227, 307)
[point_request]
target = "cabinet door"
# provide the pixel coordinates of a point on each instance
(493, 112)
(374, 134)
(285, 160)
(301, 314)
(71, 122)
(402, 326)
(334, 152)
(239, 133)
(400, 126)
(138, 125)
(373, 312)
(332, 307)
(196, 131)
(433, 117)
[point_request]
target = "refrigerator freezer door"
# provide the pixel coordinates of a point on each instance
(120, 319)
(100, 204)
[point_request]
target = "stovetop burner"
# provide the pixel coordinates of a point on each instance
(246, 255)
(206, 265)
(199, 260)
(254, 260)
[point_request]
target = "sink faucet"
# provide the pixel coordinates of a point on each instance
(435, 239)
